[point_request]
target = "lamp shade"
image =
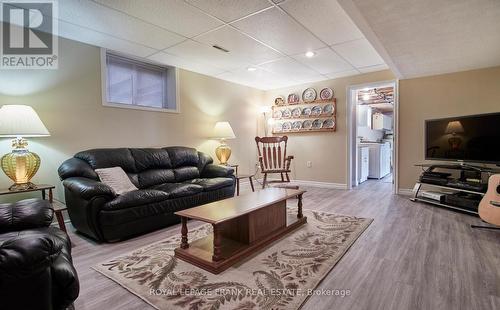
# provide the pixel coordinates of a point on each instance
(21, 121)
(223, 130)
(454, 127)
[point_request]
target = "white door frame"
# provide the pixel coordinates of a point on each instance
(352, 132)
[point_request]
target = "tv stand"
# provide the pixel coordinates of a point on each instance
(452, 185)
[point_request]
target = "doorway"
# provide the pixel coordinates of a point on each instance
(372, 122)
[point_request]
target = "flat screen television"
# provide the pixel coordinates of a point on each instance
(473, 138)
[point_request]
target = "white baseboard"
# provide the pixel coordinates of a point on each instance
(313, 184)
(405, 191)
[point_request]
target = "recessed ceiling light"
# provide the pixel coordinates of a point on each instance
(251, 69)
(310, 54)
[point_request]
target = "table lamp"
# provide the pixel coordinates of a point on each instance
(223, 131)
(453, 128)
(19, 122)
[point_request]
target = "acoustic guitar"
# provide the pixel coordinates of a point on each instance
(489, 207)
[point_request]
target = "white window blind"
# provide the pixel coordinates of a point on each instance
(130, 82)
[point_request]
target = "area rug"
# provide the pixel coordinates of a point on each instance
(282, 276)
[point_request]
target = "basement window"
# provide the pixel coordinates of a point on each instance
(136, 84)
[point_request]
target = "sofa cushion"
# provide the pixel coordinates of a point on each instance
(176, 190)
(106, 158)
(136, 198)
(186, 173)
(153, 177)
(117, 179)
(213, 183)
(182, 156)
(150, 158)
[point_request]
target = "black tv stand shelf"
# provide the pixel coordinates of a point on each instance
(444, 181)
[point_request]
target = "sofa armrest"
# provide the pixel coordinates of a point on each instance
(25, 214)
(214, 171)
(87, 188)
(23, 256)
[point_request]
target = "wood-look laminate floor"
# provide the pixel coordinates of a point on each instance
(413, 256)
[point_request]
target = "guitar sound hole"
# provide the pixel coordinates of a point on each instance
(498, 189)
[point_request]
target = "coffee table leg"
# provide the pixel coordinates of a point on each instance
(217, 244)
(251, 183)
(299, 205)
(237, 187)
(184, 233)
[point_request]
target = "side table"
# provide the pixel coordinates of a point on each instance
(238, 177)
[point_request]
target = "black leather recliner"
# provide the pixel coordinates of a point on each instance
(36, 270)
(169, 179)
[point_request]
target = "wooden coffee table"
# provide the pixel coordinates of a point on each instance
(241, 225)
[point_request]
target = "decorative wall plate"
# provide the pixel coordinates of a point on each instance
(309, 95)
(287, 126)
(328, 123)
(278, 127)
(279, 100)
(296, 112)
(296, 125)
(328, 109)
(317, 124)
(306, 111)
(287, 113)
(293, 99)
(316, 110)
(326, 93)
(277, 114)
(307, 124)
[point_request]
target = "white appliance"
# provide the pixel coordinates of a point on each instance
(379, 160)
(364, 116)
(382, 121)
(363, 163)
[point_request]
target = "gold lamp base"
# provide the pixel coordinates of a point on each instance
(223, 152)
(20, 165)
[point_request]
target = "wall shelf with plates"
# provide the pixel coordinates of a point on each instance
(308, 115)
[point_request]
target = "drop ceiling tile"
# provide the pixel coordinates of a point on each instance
(337, 75)
(324, 61)
(239, 44)
(174, 15)
(373, 68)
(277, 29)
(206, 54)
(229, 10)
(359, 53)
(92, 37)
(289, 68)
(325, 18)
(97, 17)
(258, 77)
(176, 61)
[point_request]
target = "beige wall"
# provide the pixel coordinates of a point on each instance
(462, 93)
(326, 150)
(68, 101)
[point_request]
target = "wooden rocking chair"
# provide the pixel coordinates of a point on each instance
(273, 158)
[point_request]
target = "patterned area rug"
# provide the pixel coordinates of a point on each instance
(282, 276)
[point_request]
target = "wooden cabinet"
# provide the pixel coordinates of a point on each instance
(382, 121)
(363, 164)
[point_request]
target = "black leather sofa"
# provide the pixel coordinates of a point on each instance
(169, 179)
(36, 270)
